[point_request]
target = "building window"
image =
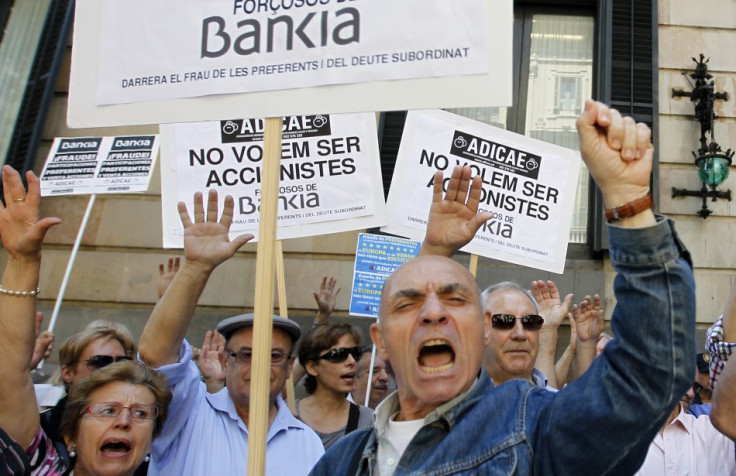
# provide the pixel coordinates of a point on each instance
(556, 75)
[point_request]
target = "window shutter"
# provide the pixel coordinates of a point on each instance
(627, 77)
(40, 86)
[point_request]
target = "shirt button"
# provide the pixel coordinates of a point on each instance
(391, 461)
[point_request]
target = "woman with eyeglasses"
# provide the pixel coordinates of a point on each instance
(100, 344)
(330, 354)
(113, 415)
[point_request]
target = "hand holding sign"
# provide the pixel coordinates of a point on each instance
(619, 154)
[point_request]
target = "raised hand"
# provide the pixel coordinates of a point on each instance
(589, 319)
(21, 229)
(551, 307)
(210, 361)
(326, 299)
(206, 241)
(617, 151)
(166, 274)
(454, 218)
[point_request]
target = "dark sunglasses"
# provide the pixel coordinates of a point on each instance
(96, 362)
(530, 322)
(697, 388)
(339, 355)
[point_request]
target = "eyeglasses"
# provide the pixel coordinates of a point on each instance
(113, 409)
(697, 388)
(96, 362)
(530, 322)
(245, 356)
(339, 355)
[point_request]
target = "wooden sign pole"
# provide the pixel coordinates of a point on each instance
(263, 307)
(473, 267)
(284, 312)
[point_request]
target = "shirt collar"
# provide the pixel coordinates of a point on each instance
(448, 410)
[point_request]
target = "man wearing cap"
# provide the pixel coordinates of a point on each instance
(208, 433)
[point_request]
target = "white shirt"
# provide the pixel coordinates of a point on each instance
(690, 445)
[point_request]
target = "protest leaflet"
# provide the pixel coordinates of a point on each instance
(376, 257)
(330, 175)
(528, 185)
(87, 165)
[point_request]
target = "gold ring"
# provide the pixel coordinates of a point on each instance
(19, 200)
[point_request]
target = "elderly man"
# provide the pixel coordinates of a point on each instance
(208, 433)
(514, 336)
(381, 378)
(446, 417)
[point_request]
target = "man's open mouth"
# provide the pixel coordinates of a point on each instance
(436, 356)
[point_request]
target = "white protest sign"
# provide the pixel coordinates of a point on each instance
(528, 185)
(330, 173)
(87, 165)
(142, 61)
(232, 46)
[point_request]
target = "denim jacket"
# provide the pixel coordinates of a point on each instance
(603, 422)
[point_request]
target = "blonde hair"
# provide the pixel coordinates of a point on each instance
(72, 348)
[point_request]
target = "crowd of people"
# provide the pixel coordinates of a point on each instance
(478, 385)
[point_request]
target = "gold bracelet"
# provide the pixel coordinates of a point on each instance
(19, 293)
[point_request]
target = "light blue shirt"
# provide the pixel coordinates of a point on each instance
(204, 435)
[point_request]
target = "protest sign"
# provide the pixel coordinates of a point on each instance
(376, 257)
(528, 185)
(330, 173)
(87, 165)
(141, 62)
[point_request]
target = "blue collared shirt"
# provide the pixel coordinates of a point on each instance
(204, 435)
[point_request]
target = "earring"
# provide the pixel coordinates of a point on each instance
(147, 458)
(73, 451)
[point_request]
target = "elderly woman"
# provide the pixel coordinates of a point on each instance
(98, 345)
(112, 417)
(330, 355)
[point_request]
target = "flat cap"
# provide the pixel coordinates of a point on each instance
(227, 326)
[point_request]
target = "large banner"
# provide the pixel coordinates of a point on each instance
(143, 61)
(528, 185)
(330, 174)
(87, 165)
(233, 46)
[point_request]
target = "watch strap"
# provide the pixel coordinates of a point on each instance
(629, 209)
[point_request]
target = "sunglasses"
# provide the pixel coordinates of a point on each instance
(697, 388)
(530, 322)
(96, 362)
(339, 355)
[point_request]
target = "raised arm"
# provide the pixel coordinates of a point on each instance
(553, 310)
(589, 325)
(22, 233)
(326, 299)
(564, 363)
(206, 245)
(453, 216)
(627, 393)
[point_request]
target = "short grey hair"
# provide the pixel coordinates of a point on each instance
(511, 286)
